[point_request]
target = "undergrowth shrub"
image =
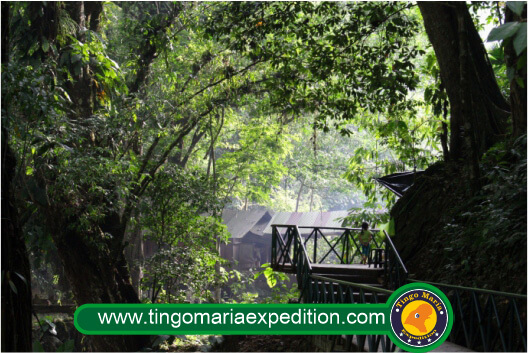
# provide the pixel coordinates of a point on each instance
(488, 239)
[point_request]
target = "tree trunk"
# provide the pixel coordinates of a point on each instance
(93, 259)
(299, 196)
(517, 91)
(16, 283)
(472, 156)
(82, 90)
(16, 273)
(485, 99)
(135, 257)
(97, 270)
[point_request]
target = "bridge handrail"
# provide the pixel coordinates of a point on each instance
(350, 247)
(393, 247)
(303, 248)
(487, 320)
(484, 322)
(478, 290)
(307, 227)
(322, 289)
(352, 284)
(388, 291)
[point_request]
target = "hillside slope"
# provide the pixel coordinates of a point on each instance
(446, 235)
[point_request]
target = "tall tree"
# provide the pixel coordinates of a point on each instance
(91, 136)
(516, 62)
(16, 285)
(479, 111)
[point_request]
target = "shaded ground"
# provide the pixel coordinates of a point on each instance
(267, 344)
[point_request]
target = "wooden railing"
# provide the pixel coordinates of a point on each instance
(323, 245)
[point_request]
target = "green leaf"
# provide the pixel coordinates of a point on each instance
(271, 280)
(519, 42)
(33, 48)
(29, 170)
(428, 93)
(402, 125)
(13, 287)
(75, 58)
(37, 346)
(38, 194)
(516, 6)
(21, 277)
(392, 227)
(54, 49)
(45, 45)
(505, 31)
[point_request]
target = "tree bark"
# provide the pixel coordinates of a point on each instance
(16, 283)
(466, 98)
(299, 196)
(135, 256)
(93, 259)
(97, 271)
(486, 101)
(517, 92)
(82, 90)
(16, 273)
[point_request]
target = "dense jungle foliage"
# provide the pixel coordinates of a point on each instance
(134, 123)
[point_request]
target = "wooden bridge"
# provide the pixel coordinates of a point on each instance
(326, 264)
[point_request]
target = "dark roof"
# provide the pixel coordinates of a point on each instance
(239, 223)
(399, 183)
(308, 219)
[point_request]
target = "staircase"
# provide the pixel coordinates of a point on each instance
(326, 264)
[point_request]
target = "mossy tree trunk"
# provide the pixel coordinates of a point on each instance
(478, 109)
(478, 119)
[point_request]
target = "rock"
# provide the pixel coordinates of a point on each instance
(50, 343)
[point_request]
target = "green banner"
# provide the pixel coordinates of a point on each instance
(231, 319)
(417, 317)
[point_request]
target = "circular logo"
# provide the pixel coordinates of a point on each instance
(420, 317)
